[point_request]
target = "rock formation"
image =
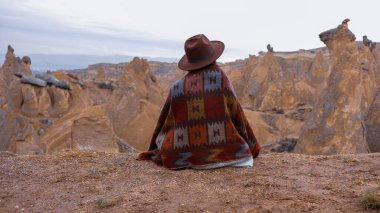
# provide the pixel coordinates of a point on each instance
(101, 76)
(372, 125)
(367, 42)
(49, 112)
(270, 86)
(31, 80)
(336, 124)
(165, 74)
(52, 80)
(269, 48)
(135, 104)
(60, 101)
(319, 101)
(92, 131)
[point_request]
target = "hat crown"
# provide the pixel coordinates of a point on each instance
(198, 48)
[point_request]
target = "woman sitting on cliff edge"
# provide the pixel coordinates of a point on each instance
(202, 124)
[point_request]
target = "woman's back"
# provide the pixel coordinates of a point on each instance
(202, 124)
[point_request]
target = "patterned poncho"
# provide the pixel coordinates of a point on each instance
(201, 123)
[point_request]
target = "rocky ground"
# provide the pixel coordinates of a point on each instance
(91, 182)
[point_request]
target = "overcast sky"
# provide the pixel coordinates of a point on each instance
(158, 28)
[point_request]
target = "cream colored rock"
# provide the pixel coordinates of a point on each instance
(304, 93)
(139, 130)
(60, 101)
(29, 100)
(8, 130)
(369, 76)
(25, 140)
(240, 79)
(280, 95)
(165, 74)
(270, 128)
(92, 132)
(58, 136)
(372, 124)
(3, 91)
(318, 71)
(25, 66)
(14, 94)
(260, 79)
(336, 123)
(101, 75)
(265, 133)
(44, 101)
(135, 104)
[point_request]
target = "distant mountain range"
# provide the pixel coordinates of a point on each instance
(43, 62)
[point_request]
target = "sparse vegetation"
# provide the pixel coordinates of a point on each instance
(278, 111)
(285, 145)
(349, 159)
(103, 203)
(370, 199)
(105, 85)
(93, 172)
(250, 211)
(249, 183)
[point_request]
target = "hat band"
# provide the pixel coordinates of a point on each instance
(195, 58)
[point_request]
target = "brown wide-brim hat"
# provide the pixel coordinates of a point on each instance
(200, 52)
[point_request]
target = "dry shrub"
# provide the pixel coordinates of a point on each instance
(370, 199)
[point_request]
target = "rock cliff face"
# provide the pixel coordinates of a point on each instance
(92, 131)
(336, 124)
(274, 85)
(279, 89)
(372, 125)
(277, 82)
(14, 126)
(40, 118)
(135, 104)
(330, 91)
(320, 101)
(165, 74)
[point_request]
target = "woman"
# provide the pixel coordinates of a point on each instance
(202, 124)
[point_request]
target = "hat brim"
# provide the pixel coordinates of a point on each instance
(218, 47)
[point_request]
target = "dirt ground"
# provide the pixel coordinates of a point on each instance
(98, 182)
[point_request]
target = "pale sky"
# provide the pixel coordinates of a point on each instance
(158, 28)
